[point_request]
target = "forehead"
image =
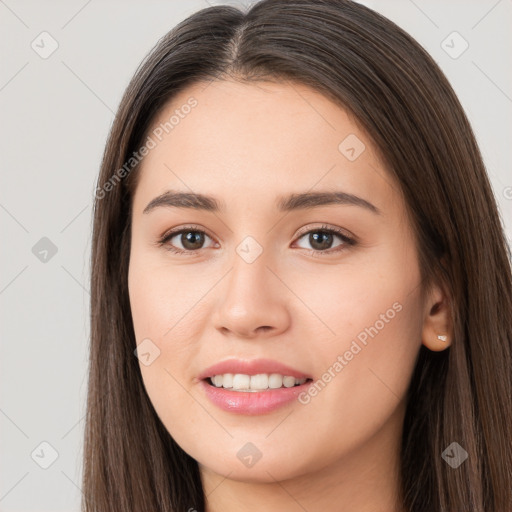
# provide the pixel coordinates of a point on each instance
(258, 140)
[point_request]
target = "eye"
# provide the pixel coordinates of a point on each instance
(190, 238)
(321, 240)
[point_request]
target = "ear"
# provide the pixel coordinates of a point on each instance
(437, 332)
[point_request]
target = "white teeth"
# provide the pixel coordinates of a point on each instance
(217, 380)
(226, 380)
(275, 381)
(241, 381)
(288, 382)
(259, 382)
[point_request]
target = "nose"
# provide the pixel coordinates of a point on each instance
(253, 302)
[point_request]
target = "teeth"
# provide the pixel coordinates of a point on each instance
(260, 382)
(241, 381)
(217, 380)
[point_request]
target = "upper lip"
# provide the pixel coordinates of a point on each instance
(251, 367)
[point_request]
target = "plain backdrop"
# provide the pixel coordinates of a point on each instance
(65, 65)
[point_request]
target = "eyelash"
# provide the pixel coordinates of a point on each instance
(347, 241)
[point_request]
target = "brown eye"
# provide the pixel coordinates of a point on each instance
(321, 240)
(186, 240)
(191, 240)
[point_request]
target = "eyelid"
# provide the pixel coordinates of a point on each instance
(186, 227)
(171, 233)
(325, 227)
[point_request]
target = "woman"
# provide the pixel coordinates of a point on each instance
(295, 235)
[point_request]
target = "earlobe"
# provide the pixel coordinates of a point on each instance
(441, 342)
(437, 333)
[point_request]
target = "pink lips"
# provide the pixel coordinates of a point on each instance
(249, 402)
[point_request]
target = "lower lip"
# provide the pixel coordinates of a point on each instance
(252, 402)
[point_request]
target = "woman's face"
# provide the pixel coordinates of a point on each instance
(262, 277)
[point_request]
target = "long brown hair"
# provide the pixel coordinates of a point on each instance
(372, 68)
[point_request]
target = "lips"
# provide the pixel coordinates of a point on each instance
(251, 367)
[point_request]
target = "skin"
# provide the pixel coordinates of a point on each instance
(247, 144)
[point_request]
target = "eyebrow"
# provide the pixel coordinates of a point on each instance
(302, 201)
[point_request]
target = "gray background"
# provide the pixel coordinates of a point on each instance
(55, 116)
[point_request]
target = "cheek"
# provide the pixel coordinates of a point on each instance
(163, 329)
(161, 300)
(366, 365)
(165, 310)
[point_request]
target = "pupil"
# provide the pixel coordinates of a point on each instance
(323, 236)
(193, 239)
